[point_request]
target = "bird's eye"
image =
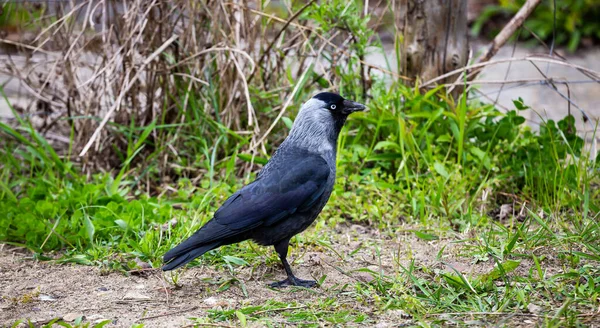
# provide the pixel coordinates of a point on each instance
(332, 106)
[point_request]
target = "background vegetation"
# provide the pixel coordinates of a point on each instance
(199, 119)
(557, 22)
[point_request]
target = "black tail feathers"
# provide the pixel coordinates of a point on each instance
(184, 253)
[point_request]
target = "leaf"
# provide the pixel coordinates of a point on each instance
(386, 145)
(144, 135)
(444, 138)
(234, 260)
(498, 272)
(587, 256)
(384, 157)
(440, 169)
(89, 228)
(241, 317)
(482, 156)
(288, 122)
(79, 259)
(574, 40)
(519, 104)
(257, 159)
(102, 324)
(122, 224)
(425, 236)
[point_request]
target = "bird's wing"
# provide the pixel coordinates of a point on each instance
(294, 185)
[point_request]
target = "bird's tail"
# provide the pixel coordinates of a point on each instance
(185, 252)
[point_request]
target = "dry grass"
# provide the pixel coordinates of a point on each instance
(100, 66)
(101, 71)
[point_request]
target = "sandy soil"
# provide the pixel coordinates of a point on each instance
(42, 291)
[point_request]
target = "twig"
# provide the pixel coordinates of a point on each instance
(200, 53)
(193, 78)
(282, 111)
(32, 48)
(528, 80)
(551, 85)
(126, 88)
(595, 74)
(251, 112)
(289, 21)
(508, 31)
(280, 309)
(144, 270)
(489, 313)
(201, 324)
(514, 49)
(320, 36)
(169, 313)
(571, 102)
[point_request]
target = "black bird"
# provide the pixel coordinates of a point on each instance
(288, 193)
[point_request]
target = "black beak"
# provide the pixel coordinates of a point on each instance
(352, 106)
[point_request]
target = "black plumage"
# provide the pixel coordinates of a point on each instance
(287, 195)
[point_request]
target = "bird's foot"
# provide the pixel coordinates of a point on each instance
(293, 281)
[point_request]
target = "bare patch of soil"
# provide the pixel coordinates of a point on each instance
(41, 291)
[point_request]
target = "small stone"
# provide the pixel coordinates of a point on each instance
(535, 309)
(47, 298)
(313, 259)
(358, 228)
(505, 211)
(142, 265)
(474, 323)
(211, 301)
(135, 296)
(168, 225)
(95, 318)
(364, 277)
(400, 314)
(70, 317)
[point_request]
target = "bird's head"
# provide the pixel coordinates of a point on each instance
(333, 104)
(320, 120)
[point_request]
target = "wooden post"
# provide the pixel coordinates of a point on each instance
(434, 37)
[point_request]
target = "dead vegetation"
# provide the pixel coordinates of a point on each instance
(98, 68)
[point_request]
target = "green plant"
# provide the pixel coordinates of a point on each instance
(575, 19)
(419, 168)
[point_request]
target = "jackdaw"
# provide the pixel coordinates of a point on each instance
(288, 194)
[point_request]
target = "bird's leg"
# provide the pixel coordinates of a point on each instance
(282, 249)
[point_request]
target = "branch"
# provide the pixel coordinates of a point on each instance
(124, 89)
(515, 23)
(289, 21)
(476, 67)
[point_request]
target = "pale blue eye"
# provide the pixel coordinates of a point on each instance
(332, 106)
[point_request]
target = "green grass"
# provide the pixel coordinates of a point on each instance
(403, 173)
(419, 168)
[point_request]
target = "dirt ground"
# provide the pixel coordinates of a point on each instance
(42, 291)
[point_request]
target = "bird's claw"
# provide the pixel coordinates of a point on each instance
(294, 282)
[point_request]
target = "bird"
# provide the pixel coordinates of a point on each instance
(288, 193)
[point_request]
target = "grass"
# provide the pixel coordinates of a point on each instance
(469, 216)
(541, 255)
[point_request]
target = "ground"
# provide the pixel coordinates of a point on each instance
(43, 291)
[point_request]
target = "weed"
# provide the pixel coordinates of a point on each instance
(519, 205)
